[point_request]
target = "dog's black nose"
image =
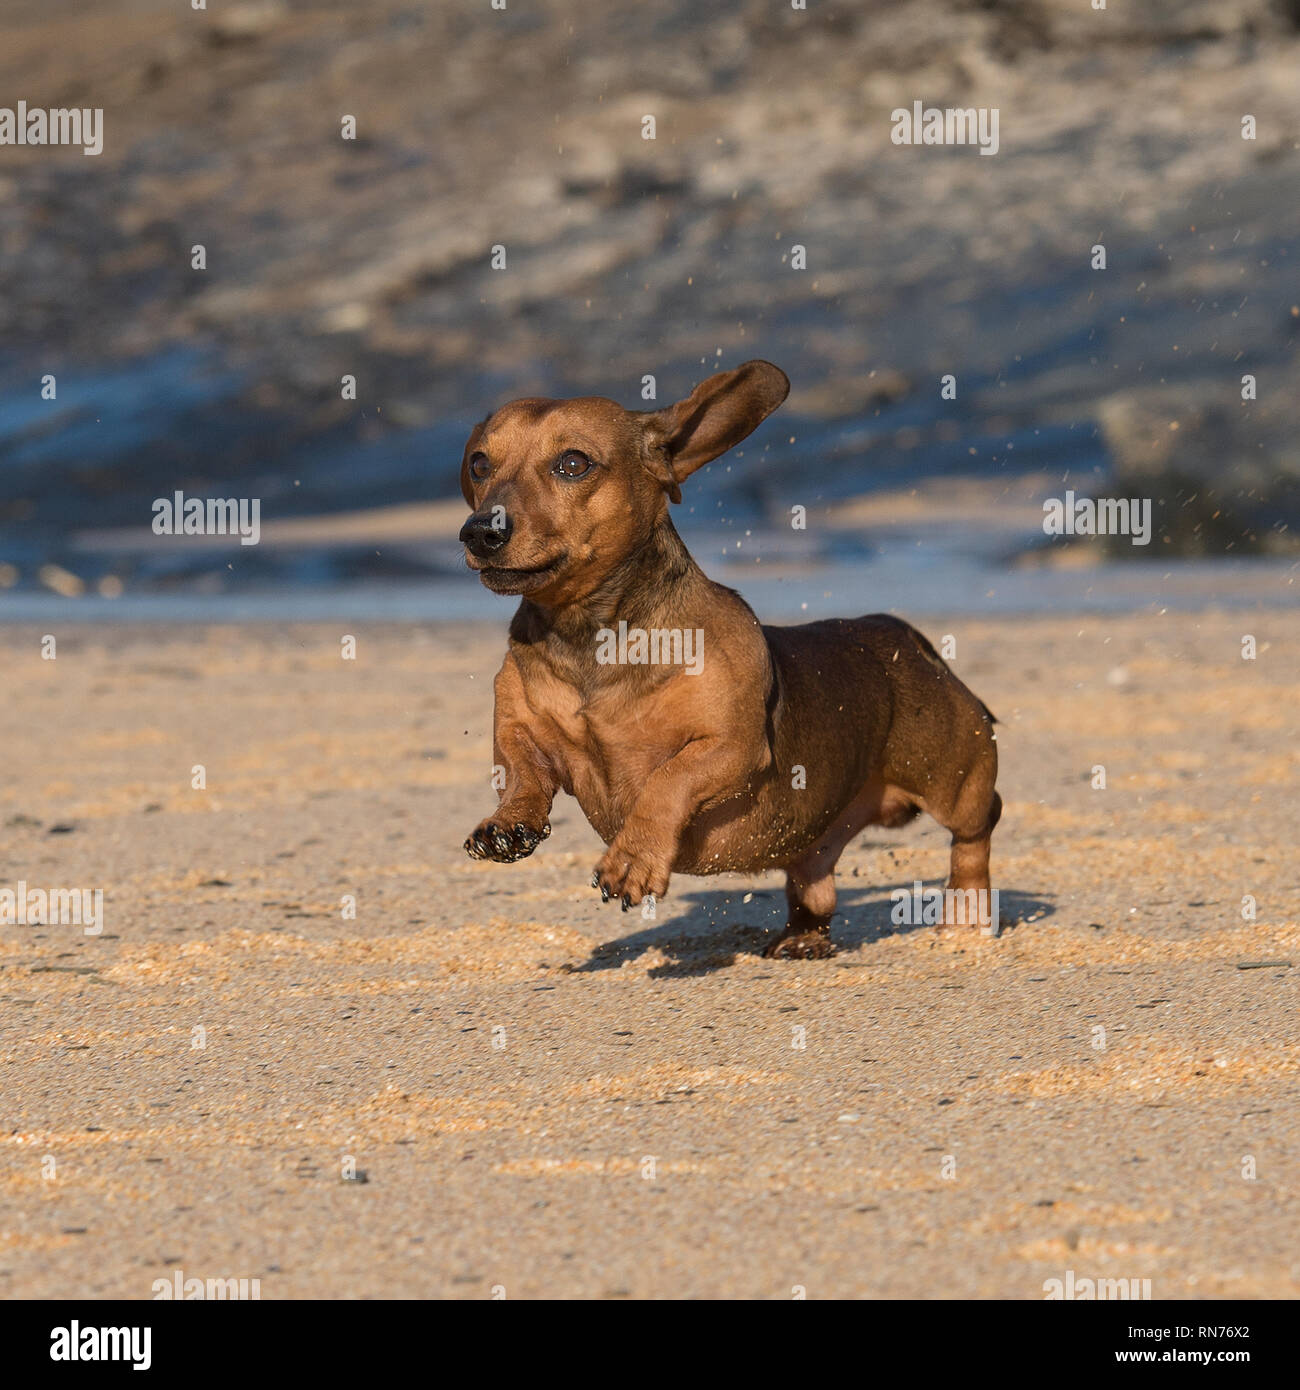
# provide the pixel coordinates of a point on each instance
(485, 533)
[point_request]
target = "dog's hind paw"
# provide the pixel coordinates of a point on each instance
(505, 843)
(806, 945)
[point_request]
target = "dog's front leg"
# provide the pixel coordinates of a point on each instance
(640, 859)
(528, 784)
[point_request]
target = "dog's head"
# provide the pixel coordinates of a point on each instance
(564, 490)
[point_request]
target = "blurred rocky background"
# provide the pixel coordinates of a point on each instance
(626, 257)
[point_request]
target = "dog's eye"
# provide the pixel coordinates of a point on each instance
(479, 467)
(572, 464)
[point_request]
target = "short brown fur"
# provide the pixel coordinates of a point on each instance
(686, 773)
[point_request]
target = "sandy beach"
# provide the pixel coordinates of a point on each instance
(541, 1095)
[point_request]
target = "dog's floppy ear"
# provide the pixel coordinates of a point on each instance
(715, 417)
(466, 482)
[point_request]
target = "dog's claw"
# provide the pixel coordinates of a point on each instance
(493, 841)
(627, 902)
(604, 893)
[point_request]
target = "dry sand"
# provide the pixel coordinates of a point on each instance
(549, 1096)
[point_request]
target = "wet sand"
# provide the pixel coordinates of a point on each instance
(553, 1098)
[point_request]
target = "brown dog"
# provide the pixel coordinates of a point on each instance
(773, 748)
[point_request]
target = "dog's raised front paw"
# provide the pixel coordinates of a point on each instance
(628, 880)
(505, 843)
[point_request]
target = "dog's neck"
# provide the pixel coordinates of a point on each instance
(658, 585)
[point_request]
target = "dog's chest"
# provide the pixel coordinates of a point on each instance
(607, 743)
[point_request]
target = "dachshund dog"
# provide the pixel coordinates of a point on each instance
(695, 739)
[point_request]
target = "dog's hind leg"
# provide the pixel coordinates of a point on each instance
(810, 897)
(810, 879)
(969, 900)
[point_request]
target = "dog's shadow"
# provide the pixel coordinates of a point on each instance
(721, 924)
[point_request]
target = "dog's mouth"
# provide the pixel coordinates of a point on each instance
(502, 580)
